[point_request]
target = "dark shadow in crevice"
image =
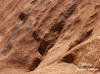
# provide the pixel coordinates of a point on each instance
(43, 47)
(35, 64)
(35, 35)
(23, 17)
(68, 58)
(33, 2)
(81, 39)
(58, 27)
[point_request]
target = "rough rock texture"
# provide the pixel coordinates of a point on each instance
(49, 36)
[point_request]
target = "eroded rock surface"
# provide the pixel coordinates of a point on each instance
(49, 36)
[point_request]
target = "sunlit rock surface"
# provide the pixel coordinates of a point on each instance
(49, 36)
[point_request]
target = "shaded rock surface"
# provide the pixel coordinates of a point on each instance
(49, 36)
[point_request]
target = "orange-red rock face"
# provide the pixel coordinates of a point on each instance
(49, 36)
